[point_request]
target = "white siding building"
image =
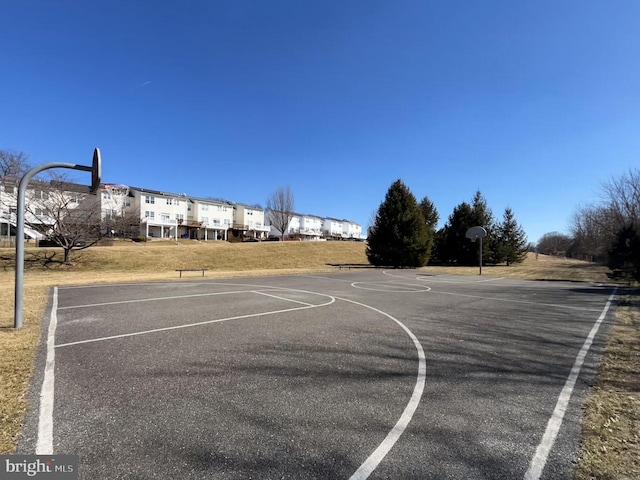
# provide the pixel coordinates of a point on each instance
(310, 227)
(208, 219)
(161, 213)
(249, 220)
(351, 229)
(332, 228)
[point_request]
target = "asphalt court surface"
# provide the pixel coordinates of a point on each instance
(361, 374)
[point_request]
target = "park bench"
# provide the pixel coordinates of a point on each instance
(191, 270)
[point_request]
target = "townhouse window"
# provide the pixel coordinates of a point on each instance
(227, 221)
(149, 199)
(204, 207)
(127, 202)
(216, 221)
(179, 216)
(149, 215)
(106, 196)
(249, 212)
(165, 217)
(205, 220)
(40, 194)
(189, 208)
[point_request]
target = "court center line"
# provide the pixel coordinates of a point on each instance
(398, 429)
(44, 445)
(155, 299)
(189, 325)
(539, 460)
(282, 298)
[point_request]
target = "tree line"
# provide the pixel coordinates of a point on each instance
(606, 232)
(404, 234)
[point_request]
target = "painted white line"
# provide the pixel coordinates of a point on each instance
(426, 278)
(555, 422)
(189, 325)
(384, 272)
(392, 437)
(394, 287)
(45, 422)
(507, 300)
(156, 299)
(283, 298)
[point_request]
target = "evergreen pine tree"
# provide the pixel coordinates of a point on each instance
(481, 215)
(431, 218)
(511, 245)
(453, 246)
(399, 235)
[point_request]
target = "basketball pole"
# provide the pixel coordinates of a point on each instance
(95, 170)
(480, 255)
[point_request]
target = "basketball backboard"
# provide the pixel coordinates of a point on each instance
(476, 232)
(96, 171)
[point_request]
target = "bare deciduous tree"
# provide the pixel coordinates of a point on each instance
(125, 224)
(622, 198)
(554, 243)
(13, 164)
(594, 227)
(280, 208)
(64, 213)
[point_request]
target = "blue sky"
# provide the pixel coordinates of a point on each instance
(535, 104)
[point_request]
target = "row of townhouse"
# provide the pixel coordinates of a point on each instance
(164, 214)
(168, 215)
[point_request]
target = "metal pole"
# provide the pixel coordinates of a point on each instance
(480, 255)
(22, 189)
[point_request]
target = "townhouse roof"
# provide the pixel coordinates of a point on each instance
(158, 192)
(219, 201)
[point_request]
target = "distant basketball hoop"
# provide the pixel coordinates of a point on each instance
(475, 233)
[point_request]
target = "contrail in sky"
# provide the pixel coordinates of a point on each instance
(143, 84)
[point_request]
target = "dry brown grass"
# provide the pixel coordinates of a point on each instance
(611, 424)
(541, 267)
(157, 261)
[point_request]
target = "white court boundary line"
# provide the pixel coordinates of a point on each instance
(539, 460)
(45, 420)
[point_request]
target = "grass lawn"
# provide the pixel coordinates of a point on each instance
(611, 423)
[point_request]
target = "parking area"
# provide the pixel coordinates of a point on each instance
(356, 374)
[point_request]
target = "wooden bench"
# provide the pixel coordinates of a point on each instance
(191, 270)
